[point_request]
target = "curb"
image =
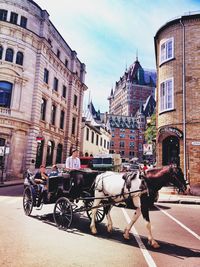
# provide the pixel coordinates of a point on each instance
(11, 184)
(180, 201)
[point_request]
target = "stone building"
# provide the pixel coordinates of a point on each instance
(178, 94)
(132, 90)
(41, 89)
(96, 134)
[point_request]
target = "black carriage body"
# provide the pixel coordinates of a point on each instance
(64, 191)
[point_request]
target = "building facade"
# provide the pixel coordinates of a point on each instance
(41, 89)
(127, 139)
(178, 94)
(96, 134)
(132, 90)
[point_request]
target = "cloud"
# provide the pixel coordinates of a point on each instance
(107, 33)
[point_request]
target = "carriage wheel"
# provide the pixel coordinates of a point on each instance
(28, 201)
(63, 213)
(100, 214)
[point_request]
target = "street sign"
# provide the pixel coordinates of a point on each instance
(147, 149)
(196, 143)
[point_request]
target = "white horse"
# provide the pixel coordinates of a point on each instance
(112, 186)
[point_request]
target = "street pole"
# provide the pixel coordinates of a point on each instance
(2, 165)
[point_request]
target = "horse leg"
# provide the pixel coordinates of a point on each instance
(109, 223)
(136, 203)
(93, 215)
(145, 213)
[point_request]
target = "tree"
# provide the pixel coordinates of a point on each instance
(150, 133)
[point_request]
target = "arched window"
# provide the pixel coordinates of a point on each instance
(5, 94)
(59, 153)
(9, 54)
(1, 51)
(50, 149)
(39, 155)
(19, 58)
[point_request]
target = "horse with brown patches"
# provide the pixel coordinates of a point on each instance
(111, 186)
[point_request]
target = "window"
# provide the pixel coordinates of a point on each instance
(59, 153)
(121, 144)
(104, 144)
(13, 17)
(87, 134)
(101, 141)
(55, 84)
(19, 58)
(73, 125)
(131, 144)
(166, 95)
(43, 109)
(58, 53)
(132, 136)
(53, 114)
(64, 91)
(167, 50)
(97, 139)
(92, 138)
(5, 94)
(46, 76)
(50, 149)
(1, 51)
(9, 55)
(75, 100)
(23, 22)
(3, 14)
(66, 63)
(112, 143)
(49, 41)
(108, 145)
(62, 118)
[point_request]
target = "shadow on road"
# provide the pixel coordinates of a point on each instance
(81, 223)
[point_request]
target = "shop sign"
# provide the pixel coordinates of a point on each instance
(196, 143)
(147, 149)
(176, 131)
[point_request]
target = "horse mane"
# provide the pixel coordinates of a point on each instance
(157, 172)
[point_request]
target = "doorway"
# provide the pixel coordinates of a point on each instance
(170, 151)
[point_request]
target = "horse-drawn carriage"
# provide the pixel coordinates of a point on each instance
(99, 193)
(65, 191)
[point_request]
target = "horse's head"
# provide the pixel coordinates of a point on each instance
(177, 178)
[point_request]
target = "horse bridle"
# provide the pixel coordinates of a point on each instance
(173, 174)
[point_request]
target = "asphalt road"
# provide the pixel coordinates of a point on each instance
(36, 241)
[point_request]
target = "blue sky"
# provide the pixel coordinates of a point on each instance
(107, 34)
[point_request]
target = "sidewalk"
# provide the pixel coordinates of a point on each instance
(170, 195)
(166, 194)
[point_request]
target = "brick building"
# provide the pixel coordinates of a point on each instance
(132, 90)
(178, 94)
(41, 89)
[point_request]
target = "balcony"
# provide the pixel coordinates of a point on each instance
(5, 111)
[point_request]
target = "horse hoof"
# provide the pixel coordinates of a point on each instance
(126, 235)
(93, 231)
(153, 244)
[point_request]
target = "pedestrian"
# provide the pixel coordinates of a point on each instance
(73, 162)
(54, 171)
(41, 179)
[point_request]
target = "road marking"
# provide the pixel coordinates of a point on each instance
(178, 222)
(147, 256)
